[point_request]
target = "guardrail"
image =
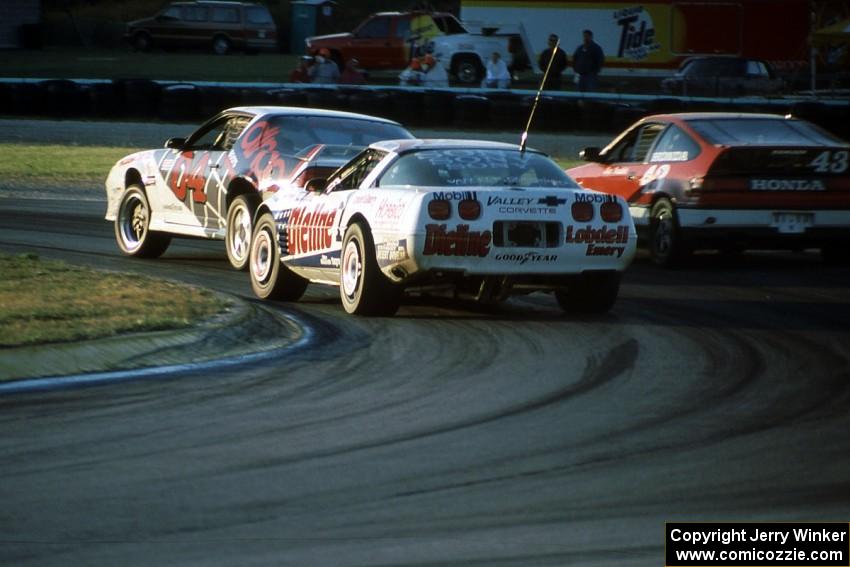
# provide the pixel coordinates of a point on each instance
(446, 107)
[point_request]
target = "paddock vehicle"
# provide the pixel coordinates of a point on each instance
(209, 184)
(727, 181)
(479, 219)
(721, 75)
(388, 40)
(219, 25)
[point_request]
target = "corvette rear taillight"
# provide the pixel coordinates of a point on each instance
(582, 211)
(469, 209)
(611, 211)
(439, 209)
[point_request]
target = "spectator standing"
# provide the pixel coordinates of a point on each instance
(498, 76)
(352, 75)
(301, 74)
(559, 63)
(436, 75)
(324, 70)
(587, 62)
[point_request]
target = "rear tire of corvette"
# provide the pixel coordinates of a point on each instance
(237, 237)
(591, 293)
(270, 279)
(132, 226)
(666, 246)
(363, 288)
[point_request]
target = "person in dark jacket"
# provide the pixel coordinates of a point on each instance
(559, 63)
(587, 62)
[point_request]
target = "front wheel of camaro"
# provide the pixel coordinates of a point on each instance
(590, 293)
(270, 279)
(132, 226)
(363, 288)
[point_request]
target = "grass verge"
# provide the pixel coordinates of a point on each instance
(77, 165)
(30, 165)
(37, 166)
(47, 301)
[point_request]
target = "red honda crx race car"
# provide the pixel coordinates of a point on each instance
(729, 182)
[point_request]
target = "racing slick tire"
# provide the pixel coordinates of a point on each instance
(237, 237)
(666, 246)
(363, 288)
(270, 279)
(590, 293)
(132, 226)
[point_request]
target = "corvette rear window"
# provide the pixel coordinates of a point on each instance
(299, 132)
(761, 131)
(475, 167)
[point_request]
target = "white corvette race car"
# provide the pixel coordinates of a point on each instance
(480, 218)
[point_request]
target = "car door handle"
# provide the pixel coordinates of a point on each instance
(631, 176)
(214, 166)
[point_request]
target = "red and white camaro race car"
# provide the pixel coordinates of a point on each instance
(209, 184)
(481, 219)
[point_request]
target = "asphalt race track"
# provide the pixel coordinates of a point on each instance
(447, 435)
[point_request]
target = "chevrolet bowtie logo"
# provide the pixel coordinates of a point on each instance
(551, 201)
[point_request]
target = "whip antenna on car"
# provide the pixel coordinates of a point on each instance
(524, 139)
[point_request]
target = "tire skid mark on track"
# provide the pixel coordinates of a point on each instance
(717, 395)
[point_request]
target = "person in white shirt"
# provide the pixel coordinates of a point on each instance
(498, 75)
(435, 74)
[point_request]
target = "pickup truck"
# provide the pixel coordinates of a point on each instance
(389, 40)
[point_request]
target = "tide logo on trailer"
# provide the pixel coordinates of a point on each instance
(310, 230)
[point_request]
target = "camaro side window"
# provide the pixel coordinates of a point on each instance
(208, 138)
(231, 132)
(674, 145)
(221, 135)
